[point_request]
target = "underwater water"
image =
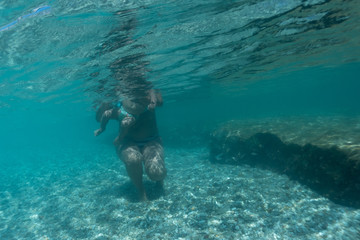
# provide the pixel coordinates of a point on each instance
(213, 61)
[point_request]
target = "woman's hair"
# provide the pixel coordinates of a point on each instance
(102, 108)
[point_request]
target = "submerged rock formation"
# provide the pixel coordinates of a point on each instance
(322, 153)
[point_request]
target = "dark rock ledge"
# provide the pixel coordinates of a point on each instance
(320, 152)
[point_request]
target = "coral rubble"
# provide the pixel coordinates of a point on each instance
(322, 153)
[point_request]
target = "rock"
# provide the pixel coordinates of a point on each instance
(322, 153)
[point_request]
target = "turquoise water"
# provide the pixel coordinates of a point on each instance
(214, 61)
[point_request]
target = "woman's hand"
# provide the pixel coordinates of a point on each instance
(127, 122)
(151, 106)
(108, 113)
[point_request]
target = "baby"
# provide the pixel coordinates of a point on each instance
(126, 111)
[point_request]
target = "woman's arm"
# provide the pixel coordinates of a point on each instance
(156, 99)
(125, 124)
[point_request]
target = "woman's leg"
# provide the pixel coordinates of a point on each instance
(133, 159)
(154, 161)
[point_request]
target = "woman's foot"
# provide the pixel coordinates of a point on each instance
(159, 185)
(143, 196)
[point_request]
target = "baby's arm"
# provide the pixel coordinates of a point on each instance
(104, 121)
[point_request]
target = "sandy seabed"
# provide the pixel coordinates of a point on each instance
(89, 196)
